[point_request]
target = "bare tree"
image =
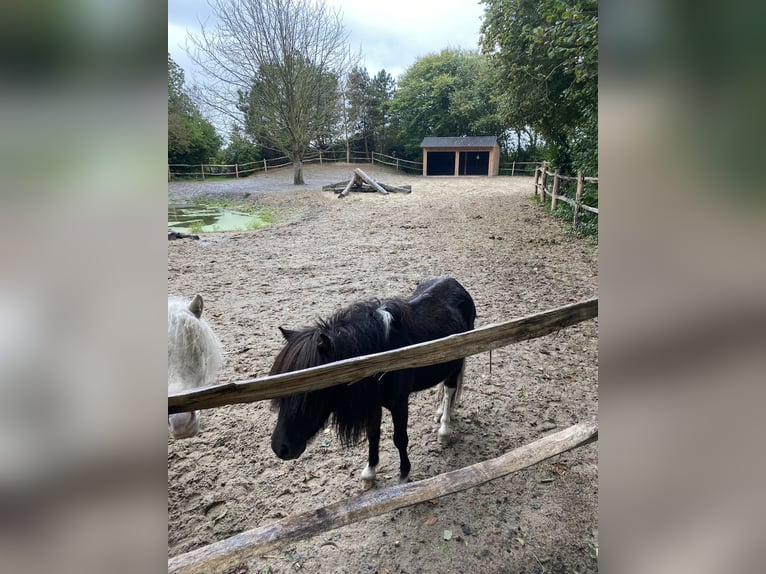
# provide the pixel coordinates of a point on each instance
(274, 66)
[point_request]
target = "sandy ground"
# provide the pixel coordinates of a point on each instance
(328, 252)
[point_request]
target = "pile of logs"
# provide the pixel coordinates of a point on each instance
(363, 182)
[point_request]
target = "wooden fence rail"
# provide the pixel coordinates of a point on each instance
(230, 552)
(246, 169)
(517, 167)
(349, 370)
(541, 177)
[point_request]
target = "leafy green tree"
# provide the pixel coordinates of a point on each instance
(367, 103)
(357, 101)
(444, 94)
(191, 138)
(240, 150)
(278, 63)
(381, 90)
(544, 55)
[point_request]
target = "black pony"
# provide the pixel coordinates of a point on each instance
(438, 307)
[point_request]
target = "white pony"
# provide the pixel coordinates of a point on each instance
(194, 358)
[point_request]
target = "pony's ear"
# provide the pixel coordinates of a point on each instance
(286, 333)
(196, 306)
(323, 344)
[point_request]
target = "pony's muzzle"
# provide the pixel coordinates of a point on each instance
(286, 451)
(183, 425)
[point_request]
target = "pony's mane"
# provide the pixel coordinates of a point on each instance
(360, 329)
(194, 352)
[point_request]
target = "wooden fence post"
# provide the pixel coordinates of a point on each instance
(168, 173)
(555, 193)
(578, 197)
(203, 172)
(236, 170)
(320, 157)
(543, 179)
(537, 178)
(513, 168)
(397, 164)
(265, 167)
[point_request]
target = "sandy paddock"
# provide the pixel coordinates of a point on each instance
(328, 252)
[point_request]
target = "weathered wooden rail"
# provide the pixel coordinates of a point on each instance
(441, 350)
(229, 552)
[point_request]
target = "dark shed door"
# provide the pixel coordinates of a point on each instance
(474, 163)
(441, 163)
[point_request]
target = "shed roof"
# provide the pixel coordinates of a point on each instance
(460, 142)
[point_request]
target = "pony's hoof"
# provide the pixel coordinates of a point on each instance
(444, 437)
(368, 474)
(404, 479)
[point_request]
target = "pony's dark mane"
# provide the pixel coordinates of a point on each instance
(356, 330)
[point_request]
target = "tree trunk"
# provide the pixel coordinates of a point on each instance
(298, 172)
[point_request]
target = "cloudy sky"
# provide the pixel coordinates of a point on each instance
(391, 34)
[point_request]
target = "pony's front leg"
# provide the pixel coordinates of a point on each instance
(373, 440)
(399, 417)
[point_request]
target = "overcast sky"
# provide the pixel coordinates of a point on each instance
(391, 34)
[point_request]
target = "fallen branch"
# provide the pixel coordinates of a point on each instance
(173, 234)
(346, 189)
(363, 182)
(366, 178)
(229, 552)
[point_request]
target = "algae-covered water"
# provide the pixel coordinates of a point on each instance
(207, 218)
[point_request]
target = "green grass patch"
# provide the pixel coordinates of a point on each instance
(587, 224)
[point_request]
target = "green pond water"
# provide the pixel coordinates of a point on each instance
(206, 218)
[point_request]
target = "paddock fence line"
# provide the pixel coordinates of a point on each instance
(519, 168)
(237, 170)
(347, 371)
(230, 552)
(557, 193)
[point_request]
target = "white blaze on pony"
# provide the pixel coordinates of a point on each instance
(194, 358)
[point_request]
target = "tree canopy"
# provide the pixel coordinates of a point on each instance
(544, 55)
(367, 113)
(282, 70)
(444, 94)
(278, 63)
(191, 138)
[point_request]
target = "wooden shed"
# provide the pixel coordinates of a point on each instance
(478, 155)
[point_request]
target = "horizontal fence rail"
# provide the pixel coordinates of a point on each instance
(350, 370)
(237, 170)
(520, 168)
(229, 552)
(201, 171)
